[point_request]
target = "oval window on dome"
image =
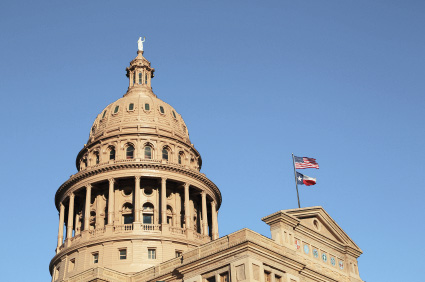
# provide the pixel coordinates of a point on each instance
(104, 113)
(131, 107)
(174, 115)
(117, 108)
(147, 108)
(161, 109)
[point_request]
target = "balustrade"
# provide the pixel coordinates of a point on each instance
(177, 230)
(123, 228)
(96, 232)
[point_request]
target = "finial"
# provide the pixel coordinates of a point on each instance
(140, 43)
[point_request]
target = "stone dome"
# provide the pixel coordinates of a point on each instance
(139, 111)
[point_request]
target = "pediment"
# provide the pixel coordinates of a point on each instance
(317, 221)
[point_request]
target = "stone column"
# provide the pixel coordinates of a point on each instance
(70, 217)
(111, 200)
(164, 200)
(61, 223)
(87, 208)
(204, 213)
(186, 206)
(214, 221)
(137, 199)
(130, 78)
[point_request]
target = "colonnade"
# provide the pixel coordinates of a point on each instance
(136, 209)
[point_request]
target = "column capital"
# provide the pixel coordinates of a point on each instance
(111, 180)
(203, 193)
(137, 177)
(88, 186)
(71, 195)
(164, 178)
(186, 185)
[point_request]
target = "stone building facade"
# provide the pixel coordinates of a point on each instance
(139, 209)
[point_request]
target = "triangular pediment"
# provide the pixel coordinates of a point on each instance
(317, 221)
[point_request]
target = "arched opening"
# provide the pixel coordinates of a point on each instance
(148, 152)
(96, 157)
(165, 154)
(147, 213)
(129, 152)
(180, 158)
(111, 153)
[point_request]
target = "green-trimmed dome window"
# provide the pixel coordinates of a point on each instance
(161, 109)
(131, 107)
(117, 108)
(104, 113)
(147, 108)
(174, 115)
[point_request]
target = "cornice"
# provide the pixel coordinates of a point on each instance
(133, 164)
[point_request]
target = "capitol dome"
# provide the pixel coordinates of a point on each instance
(139, 112)
(138, 189)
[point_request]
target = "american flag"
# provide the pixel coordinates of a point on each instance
(303, 162)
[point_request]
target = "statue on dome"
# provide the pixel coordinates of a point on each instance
(140, 43)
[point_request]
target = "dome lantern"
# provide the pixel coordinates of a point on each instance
(140, 72)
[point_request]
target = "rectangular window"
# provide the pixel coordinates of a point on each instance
(131, 107)
(179, 254)
(128, 218)
(71, 265)
(211, 279)
(123, 254)
(151, 253)
(147, 219)
(140, 78)
(267, 276)
(96, 258)
(147, 107)
(224, 277)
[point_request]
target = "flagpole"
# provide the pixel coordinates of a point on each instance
(296, 182)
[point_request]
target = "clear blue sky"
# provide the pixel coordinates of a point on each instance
(341, 81)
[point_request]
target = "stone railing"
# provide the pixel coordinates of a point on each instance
(205, 250)
(97, 232)
(76, 237)
(123, 228)
(150, 227)
(177, 230)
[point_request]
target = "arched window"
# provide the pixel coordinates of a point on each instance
(96, 155)
(180, 158)
(147, 213)
(112, 153)
(129, 152)
(148, 152)
(165, 154)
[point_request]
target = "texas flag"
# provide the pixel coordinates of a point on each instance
(305, 180)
